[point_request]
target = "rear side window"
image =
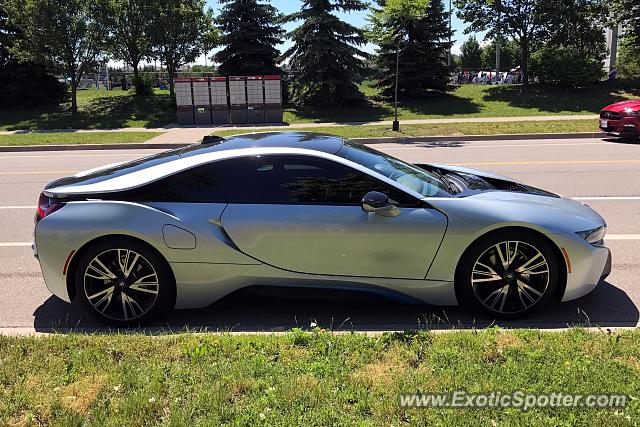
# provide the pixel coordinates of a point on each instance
(279, 180)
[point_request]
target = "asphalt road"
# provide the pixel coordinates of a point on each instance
(603, 173)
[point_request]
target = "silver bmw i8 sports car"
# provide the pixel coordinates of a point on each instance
(186, 227)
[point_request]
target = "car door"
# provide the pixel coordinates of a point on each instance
(303, 214)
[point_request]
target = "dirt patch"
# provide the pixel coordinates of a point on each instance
(80, 395)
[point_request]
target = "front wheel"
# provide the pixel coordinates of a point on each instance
(508, 275)
(123, 283)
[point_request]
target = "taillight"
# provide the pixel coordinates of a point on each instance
(47, 206)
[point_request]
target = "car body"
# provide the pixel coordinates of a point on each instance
(621, 118)
(305, 209)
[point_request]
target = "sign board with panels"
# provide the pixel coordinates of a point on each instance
(255, 91)
(219, 100)
(255, 99)
(273, 99)
(201, 101)
(184, 101)
(238, 99)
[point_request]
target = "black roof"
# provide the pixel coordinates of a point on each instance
(312, 141)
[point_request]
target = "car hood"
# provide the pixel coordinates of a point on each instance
(472, 171)
(619, 107)
(550, 214)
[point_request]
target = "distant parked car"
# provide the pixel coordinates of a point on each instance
(621, 119)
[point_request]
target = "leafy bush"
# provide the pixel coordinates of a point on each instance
(565, 67)
(629, 58)
(29, 85)
(143, 84)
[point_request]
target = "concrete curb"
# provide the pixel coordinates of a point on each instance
(166, 331)
(387, 140)
(79, 147)
(472, 138)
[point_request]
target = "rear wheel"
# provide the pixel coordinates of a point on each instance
(508, 275)
(124, 283)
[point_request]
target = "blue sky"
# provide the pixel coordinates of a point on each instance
(355, 18)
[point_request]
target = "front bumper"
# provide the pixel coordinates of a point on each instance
(589, 264)
(625, 126)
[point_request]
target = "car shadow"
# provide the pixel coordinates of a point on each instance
(261, 310)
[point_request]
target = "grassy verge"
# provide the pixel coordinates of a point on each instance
(97, 109)
(307, 378)
(454, 129)
(116, 109)
(76, 138)
(479, 101)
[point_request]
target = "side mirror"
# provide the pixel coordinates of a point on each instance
(378, 203)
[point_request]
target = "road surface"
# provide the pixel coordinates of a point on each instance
(603, 173)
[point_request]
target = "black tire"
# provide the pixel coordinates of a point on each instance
(147, 280)
(514, 294)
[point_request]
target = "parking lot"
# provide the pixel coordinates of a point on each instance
(600, 172)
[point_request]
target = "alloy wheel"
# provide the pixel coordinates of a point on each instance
(121, 284)
(510, 277)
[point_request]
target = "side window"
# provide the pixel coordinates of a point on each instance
(280, 180)
(203, 184)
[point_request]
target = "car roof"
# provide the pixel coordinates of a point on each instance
(253, 142)
(329, 144)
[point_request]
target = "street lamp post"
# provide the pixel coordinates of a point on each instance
(396, 122)
(450, 12)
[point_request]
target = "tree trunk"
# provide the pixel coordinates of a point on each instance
(74, 94)
(524, 47)
(172, 86)
(136, 77)
(74, 100)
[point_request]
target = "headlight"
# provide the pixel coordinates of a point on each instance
(593, 236)
(631, 112)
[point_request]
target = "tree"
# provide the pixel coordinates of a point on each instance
(24, 84)
(68, 36)
(132, 23)
(471, 54)
(180, 30)
(626, 13)
(629, 58)
(578, 25)
(389, 25)
(250, 32)
(509, 55)
(575, 46)
(6, 33)
(324, 55)
(525, 21)
(424, 54)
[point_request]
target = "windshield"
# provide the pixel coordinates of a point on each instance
(411, 177)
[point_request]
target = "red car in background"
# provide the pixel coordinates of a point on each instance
(621, 118)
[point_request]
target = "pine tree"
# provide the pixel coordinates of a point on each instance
(24, 84)
(423, 53)
(325, 57)
(250, 33)
(471, 57)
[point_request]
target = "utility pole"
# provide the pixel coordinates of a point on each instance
(450, 12)
(498, 42)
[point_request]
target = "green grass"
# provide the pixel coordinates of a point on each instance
(304, 378)
(116, 109)
(76, 138)
(97, 110)
(480, 101)
(454, 129)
